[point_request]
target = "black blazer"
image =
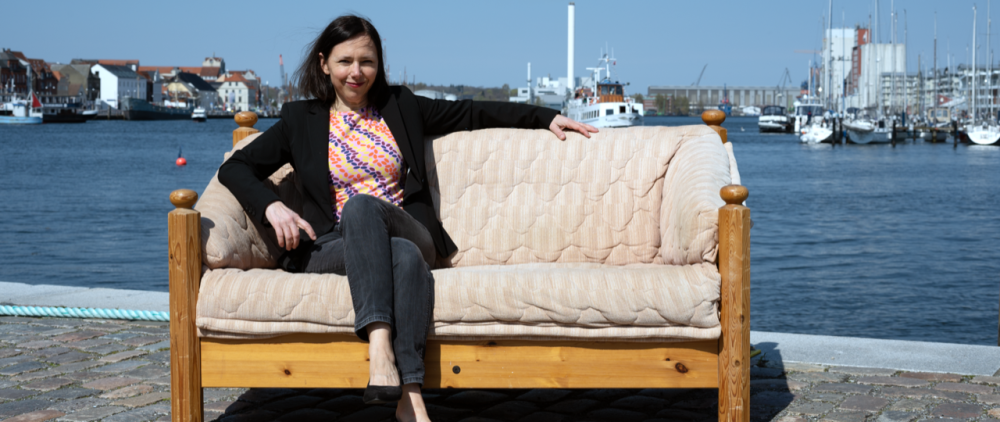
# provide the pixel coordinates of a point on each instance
(301, 138)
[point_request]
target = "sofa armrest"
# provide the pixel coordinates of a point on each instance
(184, 237)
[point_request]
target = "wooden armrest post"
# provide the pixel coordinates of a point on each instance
(246, 120)
(734, 344)
(184, 236)
(714, 119)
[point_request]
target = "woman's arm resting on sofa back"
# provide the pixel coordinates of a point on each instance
(243, 173)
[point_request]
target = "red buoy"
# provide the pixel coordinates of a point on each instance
(181, 161)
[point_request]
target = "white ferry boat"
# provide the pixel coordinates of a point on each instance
(603, 103)
(198, 115)
(774, 119)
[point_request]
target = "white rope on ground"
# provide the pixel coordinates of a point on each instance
(61, 312)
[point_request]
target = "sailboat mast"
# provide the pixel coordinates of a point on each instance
(974, 93)
(906, 77)
(935, 62)
(893, 66)
(829, 57)
(989, 67)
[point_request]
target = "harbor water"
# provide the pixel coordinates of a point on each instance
(868, 241)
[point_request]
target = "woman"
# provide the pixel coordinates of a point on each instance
(358, 148)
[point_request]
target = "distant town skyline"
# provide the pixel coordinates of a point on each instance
(490, 43)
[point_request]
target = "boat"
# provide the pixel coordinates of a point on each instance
(819, 131)
(985, 133)
(136, 109)
(866, 131)
(20, 112)
(199, 115)
(63, 113)
(773, 119)
(603, 103)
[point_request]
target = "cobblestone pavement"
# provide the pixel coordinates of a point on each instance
(55, 369)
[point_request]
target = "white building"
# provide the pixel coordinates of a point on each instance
(551, 93)
(118, 82)
(236, 93)
(838, 49)
(877, 60)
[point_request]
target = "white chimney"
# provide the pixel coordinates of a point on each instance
(531, 92)
(571, 81)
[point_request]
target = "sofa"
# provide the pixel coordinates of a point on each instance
(619, 261)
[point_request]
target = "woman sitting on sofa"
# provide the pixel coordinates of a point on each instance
(358, 148)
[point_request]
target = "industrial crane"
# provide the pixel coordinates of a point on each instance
(698, 81)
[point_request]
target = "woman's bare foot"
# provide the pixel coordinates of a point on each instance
(381, 361)
(411, 407)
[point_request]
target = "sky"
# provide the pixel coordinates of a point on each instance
(489, 43)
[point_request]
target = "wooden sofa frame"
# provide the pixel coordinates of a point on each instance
(341, 361)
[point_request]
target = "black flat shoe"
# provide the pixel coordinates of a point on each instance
(378, 394)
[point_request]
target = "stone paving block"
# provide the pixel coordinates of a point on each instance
(68, 393)
(160, 357)
(843, 388)
(165, 344)
(77, 366)
(50, 352)
(148, 372)
(957, 410)
(798, 367)
(474, 398)
(964, 388)
(231, 394)
(846, 417)
(48, 384)
(50, 332)
(217, 407)
(107, 348)
(916, 393)
(544, 395)
(141, 341)
(37, 344)
(510, 410)
(122, 335)
(865, 403)
(615, 415)
(8, 394)
(758, 372)
(7, 384)
(22, 367)
(827, 397)
(110, 383)
(573, 407)
(307, 415)
(640, 404)
(778, 384)
(107, 327)
(342, 404)
(368, 414)
(21, 407)
(143, 400)
(37, 416)
(15, 360)
(77, 404)
(812, 377)
(147, 413)
(792, 419)
(78, 336)
(912, 404)
(156, 381)
(812, 408)
(88, 344)
(84, 376)
(988, 398)
(898, 416)
(132, 390)
(118, 357)
(994, 413)
(932, 376)
(122, 366)
(93, 413)
(8, 352)
(975, 380)
(70, 357)
(893, 381)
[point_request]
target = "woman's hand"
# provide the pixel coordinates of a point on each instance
(286, 225)
(562, 122)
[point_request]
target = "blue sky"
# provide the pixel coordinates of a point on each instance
(487, 43)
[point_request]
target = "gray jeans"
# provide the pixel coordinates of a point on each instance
(387, 256)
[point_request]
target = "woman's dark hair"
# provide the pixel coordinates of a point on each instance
(312, 82)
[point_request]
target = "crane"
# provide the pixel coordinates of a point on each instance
(698, 81)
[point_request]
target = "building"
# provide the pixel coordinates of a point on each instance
(76, 81)
(838, 52)
(13, 77)
(212, 68)
(154, 86)
(17, 80)
(119, 82)
(548, 92)
(702, 98)
(188, 89)
(236, 93)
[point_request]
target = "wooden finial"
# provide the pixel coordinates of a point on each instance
(734, 194)
(246, 118)
(714, 119)
(183, 198)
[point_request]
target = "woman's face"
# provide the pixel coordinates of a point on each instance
(352, 66)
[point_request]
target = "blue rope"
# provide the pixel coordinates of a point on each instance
(60, 312)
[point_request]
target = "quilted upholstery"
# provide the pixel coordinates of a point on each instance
(610, 237)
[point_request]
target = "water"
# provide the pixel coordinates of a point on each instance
(868, 241)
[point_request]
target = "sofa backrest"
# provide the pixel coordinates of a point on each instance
(512, 196)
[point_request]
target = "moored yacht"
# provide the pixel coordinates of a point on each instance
(866, 131)
(774, 119)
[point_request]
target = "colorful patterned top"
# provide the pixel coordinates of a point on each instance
(364, 158)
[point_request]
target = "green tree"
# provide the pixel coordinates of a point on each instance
(682, 106)
(513, 92)
(638, 98)
(661, 104)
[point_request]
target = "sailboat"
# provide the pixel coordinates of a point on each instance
(986, 133)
